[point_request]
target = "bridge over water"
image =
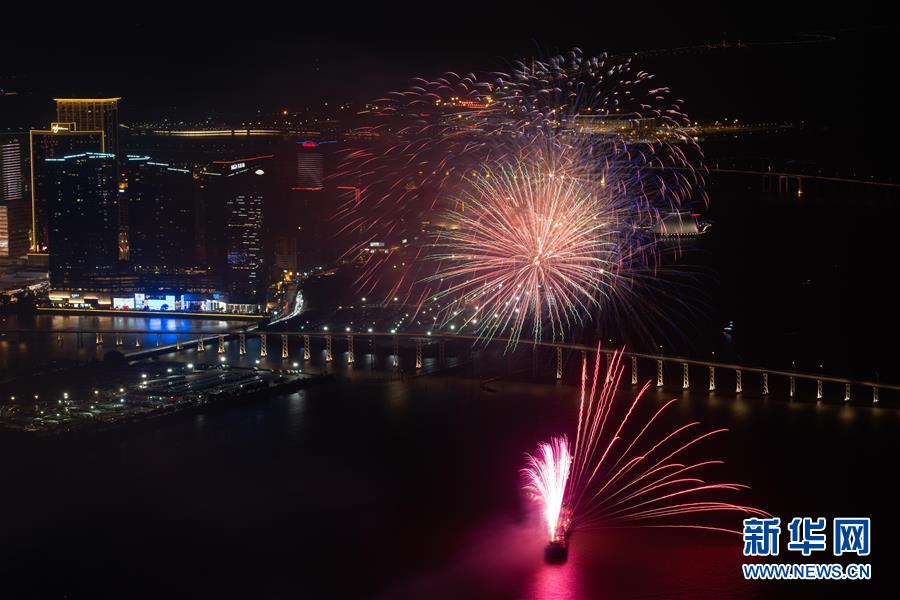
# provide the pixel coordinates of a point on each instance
(711, 375)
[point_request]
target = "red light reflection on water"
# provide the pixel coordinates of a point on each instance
(629, 563)
(506, 560)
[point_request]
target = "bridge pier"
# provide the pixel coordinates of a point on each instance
(634, 373)
(685, 377)
(396, 352)
(793, 386)
(200, 347)
(712, 378)
(263, 345)
(242, 344)
(418, 354)
(847, 393)
(306, 352)
(765, 384)
(177, 342)
(284, 346)
(818, 389)
(157, 340)
(221, 344)
(137, 341)
(328, 356)
(119, 341)
(98, 339)
(738, 387)
(559, 364)
(874, 394)
(350, 357)
(659, 373)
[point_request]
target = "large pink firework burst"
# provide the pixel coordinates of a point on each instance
(536, 246)
(629, 469)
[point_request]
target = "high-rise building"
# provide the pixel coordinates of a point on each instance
(235, 194)
(82, 194)
(57, 142)
(14, 213)
(164, 215)
(92, 114)
(310, 169)
(99, 114)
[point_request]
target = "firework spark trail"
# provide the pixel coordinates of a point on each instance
(546, 473)
(621, 479)
(617, 479)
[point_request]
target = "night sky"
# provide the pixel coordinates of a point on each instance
(187, 65)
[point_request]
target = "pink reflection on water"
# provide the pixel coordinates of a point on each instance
(505, 559)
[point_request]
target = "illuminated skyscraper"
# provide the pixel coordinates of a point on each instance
(58, 141)
(310, 169)
(14, 214)
(236, 191)
(82, 192)
(92, 114)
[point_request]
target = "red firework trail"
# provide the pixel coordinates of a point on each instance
(627, 471)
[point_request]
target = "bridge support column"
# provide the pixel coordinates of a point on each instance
(634, 376)
(847, 393)
(221, 344)
(98, 339)
(263, 345)
(306, 351)
(659, 373)
(177, 342)
(874, 395)
(350, 357)
(418, 354)
(59, 339)
(137, 341)
(559, 367)
(738, 387)
(793, 381)
(396, 352)
(328, 356)
(119, 340)
(712, 378)
(157, 340)
(685, 377)
(242, 342)
(765, 384)
(200, 347)
(818, 389)
(284, 346)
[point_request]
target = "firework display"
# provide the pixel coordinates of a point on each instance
(627, 469)
(595, 133)
(541, 241)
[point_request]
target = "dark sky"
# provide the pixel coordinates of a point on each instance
(236, 59)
